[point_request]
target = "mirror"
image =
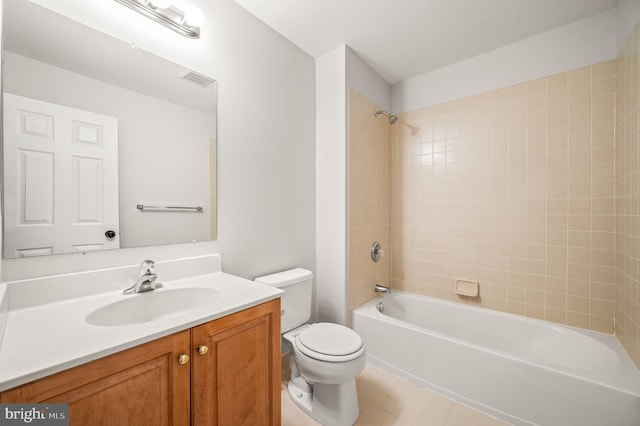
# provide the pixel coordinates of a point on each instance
(105, 145)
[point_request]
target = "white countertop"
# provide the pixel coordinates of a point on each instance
(47, 338)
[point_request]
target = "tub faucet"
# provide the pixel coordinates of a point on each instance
(147, 279)
(378, 288)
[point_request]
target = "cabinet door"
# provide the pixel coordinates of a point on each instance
(237, 381)
(144, 385)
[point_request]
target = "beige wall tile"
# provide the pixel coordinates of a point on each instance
(603, 70)
(576, 319)
(579, 76)
(370, 197)
(534, 216)
(627, 231)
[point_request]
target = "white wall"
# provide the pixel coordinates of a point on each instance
(586, 42)
(331, 198)
(627, 16)
(266, 139)
(362, 78)
(336, 72)
(266, 152)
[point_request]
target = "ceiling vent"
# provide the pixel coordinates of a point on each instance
(196, 78)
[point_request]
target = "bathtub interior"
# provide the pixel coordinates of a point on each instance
(570, 349)
(494, 361)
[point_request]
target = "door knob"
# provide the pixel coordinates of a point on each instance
(203, 349)
(110, 234)
(183, 359)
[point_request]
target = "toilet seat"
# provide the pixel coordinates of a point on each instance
(329, 342)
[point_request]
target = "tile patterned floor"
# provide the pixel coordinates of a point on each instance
(386, 399)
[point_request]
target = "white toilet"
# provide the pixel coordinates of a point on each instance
(325, 358)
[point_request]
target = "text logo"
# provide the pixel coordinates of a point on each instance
(34, 414)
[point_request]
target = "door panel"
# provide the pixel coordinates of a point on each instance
(48, 210)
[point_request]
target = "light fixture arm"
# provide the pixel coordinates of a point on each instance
(170, 16)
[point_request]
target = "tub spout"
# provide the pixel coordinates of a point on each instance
(378, 288)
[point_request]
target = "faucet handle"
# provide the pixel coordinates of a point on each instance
(147, 267)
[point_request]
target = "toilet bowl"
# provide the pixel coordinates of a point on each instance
(324, 358)
(328, 357)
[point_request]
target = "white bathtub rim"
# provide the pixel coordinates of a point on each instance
(622, 381)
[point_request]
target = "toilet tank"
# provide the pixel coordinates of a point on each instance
(295, 307)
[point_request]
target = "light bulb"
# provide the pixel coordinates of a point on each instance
(193, 16)
(160, 4)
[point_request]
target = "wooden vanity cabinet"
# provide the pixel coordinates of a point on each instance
(237, 380)
(231, 377)
(144, 385)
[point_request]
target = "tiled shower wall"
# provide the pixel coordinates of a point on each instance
(369, 198)
(514, 189)
(628, 196)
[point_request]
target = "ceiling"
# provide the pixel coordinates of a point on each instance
(404, 38)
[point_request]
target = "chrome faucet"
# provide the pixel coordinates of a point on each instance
(146, 280)
(378, 288)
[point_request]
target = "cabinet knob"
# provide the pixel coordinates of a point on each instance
(203, 349)
(183, 359)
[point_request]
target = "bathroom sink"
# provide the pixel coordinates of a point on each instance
(152, 306)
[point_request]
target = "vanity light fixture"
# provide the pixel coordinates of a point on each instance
(166, 14)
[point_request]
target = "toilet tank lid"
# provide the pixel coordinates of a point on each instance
(284, 278)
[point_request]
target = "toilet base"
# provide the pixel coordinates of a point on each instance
(300, 398)
(330, 405)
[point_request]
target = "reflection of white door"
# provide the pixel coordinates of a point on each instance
(60, 179)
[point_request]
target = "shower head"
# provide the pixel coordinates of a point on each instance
(392, 118)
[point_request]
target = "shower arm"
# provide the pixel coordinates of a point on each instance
(392, 118)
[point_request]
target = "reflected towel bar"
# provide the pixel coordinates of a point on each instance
(169, 208)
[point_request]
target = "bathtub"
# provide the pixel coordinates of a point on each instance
(524, 371)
